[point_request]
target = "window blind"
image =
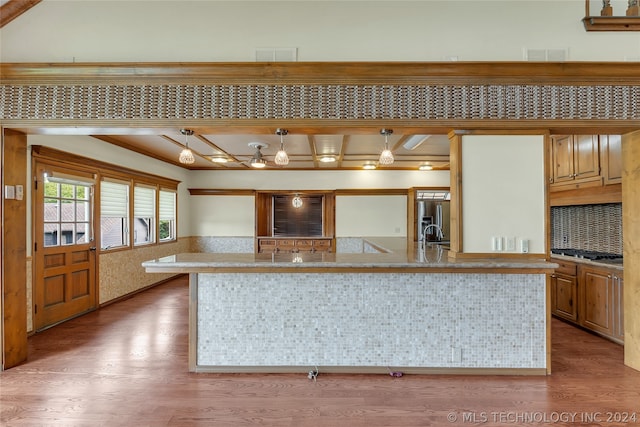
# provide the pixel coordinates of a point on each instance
(144, 205)
(114, 200)
(167, 205)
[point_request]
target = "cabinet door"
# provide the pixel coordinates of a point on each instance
(562, 154)
(304, 245)
(586, 159)
(286, 245)
(611, 158)
(596, 296)
(564, 297)
(322, 245)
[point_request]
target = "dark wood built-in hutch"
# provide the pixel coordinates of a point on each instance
(283, 227)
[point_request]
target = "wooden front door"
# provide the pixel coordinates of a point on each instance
(64, 283)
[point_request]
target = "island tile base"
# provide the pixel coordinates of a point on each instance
(368, 322)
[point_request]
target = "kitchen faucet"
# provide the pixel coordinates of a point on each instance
(439, 234)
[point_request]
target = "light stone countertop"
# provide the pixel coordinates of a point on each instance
(397, 258)
(615, 264)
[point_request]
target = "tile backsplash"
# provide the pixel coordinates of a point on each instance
(590, 227)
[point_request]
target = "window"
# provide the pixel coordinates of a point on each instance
(300, 219)
(114, 214)
(67, 212)
(144, 214)
(167, 216)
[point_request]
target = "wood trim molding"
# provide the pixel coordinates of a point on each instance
(587, 196)
(44, 153)
(339, 192)
(220, 192)
(14, 8)
(14, 252)
(631, 227)
(373, 192)
(611, 23)
(343, 73)
(455, 183)
(369, 370)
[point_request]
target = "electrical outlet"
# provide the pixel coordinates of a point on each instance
(511, 244)
(456, 355)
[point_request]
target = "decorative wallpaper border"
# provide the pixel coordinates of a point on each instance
(337, 102)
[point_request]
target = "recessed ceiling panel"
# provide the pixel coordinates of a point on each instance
(305, 151)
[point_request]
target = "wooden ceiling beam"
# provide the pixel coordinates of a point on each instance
(14, 8)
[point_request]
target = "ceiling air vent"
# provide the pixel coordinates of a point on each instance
(276, 54)
(546, 55)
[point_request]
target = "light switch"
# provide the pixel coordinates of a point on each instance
(9, 192)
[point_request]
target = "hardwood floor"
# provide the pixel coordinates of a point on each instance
(126, 365)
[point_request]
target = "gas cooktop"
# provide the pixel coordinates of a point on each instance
(591, 255)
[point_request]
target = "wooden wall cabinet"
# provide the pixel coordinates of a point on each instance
(575, 162)
(601, 307)
(611, 158)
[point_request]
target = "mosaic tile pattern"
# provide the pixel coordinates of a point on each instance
(590, 227)
(399, 319)
(211, 244)
(121, 272)
(349, 245)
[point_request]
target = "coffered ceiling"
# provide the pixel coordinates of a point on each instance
(305, 151)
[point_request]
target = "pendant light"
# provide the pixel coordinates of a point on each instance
(386, 157)
(186, 155)
(281, 158)
(296, 202)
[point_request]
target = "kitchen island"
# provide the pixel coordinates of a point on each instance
(414, 311)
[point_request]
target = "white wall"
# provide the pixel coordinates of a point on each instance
(355, 215)
(317, 180)
(222, 216)
(368, 216)
(503, 194)
(210, 31)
